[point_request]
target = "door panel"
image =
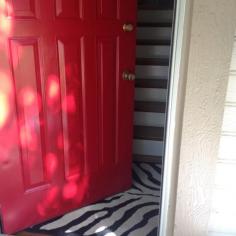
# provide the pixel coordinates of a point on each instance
(25, 57)
(21, 9)
(107, 9)
(69, 52)
(69, 8)
(65, 109)
(106, 52)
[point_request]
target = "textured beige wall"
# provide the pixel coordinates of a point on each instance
(223, 208)
(211, 41)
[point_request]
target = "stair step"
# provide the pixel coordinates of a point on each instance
(149, 133)
(154, 24)
(153, 61)
(153, 42)
(149, 119)
(155, 107)
(151, 71)
(151, 83)
(154, 7)
(152, 51)
(150, 94)
(155, 16)
(154, 33)
(147, 158)
(148, 147)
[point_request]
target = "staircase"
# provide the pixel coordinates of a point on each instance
(152, 67)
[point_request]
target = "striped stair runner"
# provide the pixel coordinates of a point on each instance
(152, 66)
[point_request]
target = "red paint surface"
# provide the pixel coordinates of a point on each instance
(65, 112)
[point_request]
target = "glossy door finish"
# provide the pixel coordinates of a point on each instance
(65, 111)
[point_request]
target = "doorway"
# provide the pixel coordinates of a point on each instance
(136, 211)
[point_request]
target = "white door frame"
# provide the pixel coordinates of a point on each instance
(174, 119)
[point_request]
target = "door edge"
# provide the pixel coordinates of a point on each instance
(1, 221)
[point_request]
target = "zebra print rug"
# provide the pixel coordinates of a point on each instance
(134, 212)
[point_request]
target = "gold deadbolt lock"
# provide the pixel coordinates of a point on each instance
(128, 27)
(128, 76)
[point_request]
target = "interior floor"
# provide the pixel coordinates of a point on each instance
(134, 212)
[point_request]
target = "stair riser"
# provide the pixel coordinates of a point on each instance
(154, 107)
(154, 33)
(152, 51)
(149, 119)
(148, 147)
(148, 159)
(151, 71)
(150, 94)
(151, 83)
(155, 16)
(154, 42)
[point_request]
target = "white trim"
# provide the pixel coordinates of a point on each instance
(175, 77)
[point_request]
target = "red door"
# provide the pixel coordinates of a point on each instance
(65, 110)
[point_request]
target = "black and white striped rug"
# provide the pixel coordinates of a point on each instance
(134, 212)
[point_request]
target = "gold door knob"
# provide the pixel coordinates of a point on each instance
(128, 27)
(128, 76)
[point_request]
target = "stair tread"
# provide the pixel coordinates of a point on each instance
(154, 7)
(161, 61)
(151, 83)
(142, 155)
(147, 158)
(149, 133)
(154, 24)
(155, 107)
(153, 42)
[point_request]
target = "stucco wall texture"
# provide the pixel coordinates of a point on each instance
(210, 49)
